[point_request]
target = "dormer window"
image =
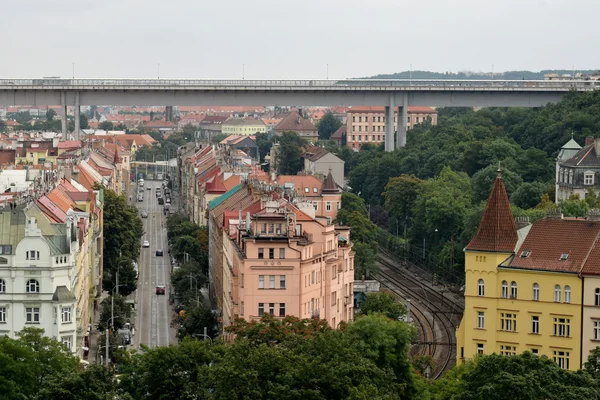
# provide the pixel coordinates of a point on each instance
(588, 178)
(564, 256)
(306, 190)
(525, 254)
(315, 190)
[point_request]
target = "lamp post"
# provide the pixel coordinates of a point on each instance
(204, 335)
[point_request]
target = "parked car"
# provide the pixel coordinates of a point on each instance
(161, 201)
(144, 214)
(160, 289)
(140, 198)
(159, 252)
(148, 188)
(146, 244)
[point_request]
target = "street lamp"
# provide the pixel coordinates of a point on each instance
(204, 335)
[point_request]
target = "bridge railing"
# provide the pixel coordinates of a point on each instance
(415, 84)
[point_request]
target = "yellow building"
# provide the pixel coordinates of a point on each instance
(243, 127)
(524, 288)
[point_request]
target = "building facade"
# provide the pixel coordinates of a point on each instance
(243, 127)
(578, 169)
(367, 124)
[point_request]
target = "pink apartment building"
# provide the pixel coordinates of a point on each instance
(283, 259)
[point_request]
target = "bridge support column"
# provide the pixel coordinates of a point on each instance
(402, 120)
(63, 114)
(389, 125)
(169, 113)
(77, 111)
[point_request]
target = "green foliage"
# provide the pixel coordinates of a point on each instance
(289, 161)
(50, 114)
(23, 117)
(574, 207)
(106, 125)
(350, 204)
(364, 260)
(196, 319)
(264, 144)
(270, 330)
(483, 181)
(121, 309)
(528, 195)
(523, 376)
(328, 125)
(83, 121)
(382, 302)
(592, 365)
(400, 195)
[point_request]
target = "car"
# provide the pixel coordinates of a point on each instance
(157, 194)
(161, 201)
(148, 188)
(168, 200)
(141, 184)
(144, 214)
(160, 289)
(159, 252)
(146, 244)
(140, 198)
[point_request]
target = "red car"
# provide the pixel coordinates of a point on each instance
(160, 289)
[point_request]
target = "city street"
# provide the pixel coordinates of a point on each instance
(153, 312)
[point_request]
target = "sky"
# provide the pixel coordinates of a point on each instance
(282, 39)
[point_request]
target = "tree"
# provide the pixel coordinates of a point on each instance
(328, 125)
(592, 365)
(264, 144)
(364, 260)
(2, 125)
(270, 330)
(400, 195)
(483, 181)
(197, 318)
(83, 121)
(289, 160)
(106, 125)
(50, 114)
(382, 302)
(524, 376)
(528, 195)
(350, 204)
(23, 117)
(119, 309)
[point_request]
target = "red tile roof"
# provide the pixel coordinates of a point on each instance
(497, 231)
(294, 122)
(69, 144)
(301, 183)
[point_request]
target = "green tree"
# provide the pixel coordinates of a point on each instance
(95, 382)
(106, 125)
(2, 125)
(289, 160)
(50, 114)
(23, 117)
(364, 260)
(400, 195)
(83, 121)
(574, 207)
(592, 365)
(197, 318)
(382, 302)
(264, 144)
(528, 195)
(483, 181)
(350, 204)
(328, 125)
(119, 309)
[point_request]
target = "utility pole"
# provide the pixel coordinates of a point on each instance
(107, 338)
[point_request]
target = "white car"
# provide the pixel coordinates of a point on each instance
(146, 244)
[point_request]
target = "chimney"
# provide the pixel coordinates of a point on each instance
(593, 214)
(554, 213)
(589, 140)
(522, 222)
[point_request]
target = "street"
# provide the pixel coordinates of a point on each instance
(153, 312)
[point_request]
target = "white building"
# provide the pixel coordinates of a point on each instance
(38, 275)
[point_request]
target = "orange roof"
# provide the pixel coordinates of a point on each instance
(232, 182)
(304, 185)
(497, 231)
(61, 200)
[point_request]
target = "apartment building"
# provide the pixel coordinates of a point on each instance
(325, 197)
(243, 127)
(535, 288)
(367, 124)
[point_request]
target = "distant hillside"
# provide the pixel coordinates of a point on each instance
(508, 75)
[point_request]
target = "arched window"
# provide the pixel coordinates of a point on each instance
(504, 289)
(567, 294)
(2, 286)
(513, 290)
(481, 288)
(536, 292)
(33, 286)
(557, 293)
(597, 297)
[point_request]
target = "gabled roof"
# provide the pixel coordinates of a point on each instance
(69, 144)
(381, 109)
(497, 231)
(51, 210)
(301, 183)
(329, 186)
(337, 135)
(216, 185)
(240, 121)
(314, 153)
(586, 157)
(294, 122)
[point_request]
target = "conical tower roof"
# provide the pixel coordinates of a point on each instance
(329, 186)
(497, 231)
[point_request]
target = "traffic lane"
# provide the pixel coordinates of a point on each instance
(144, 313)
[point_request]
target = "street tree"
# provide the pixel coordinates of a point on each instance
(106, 125)
(328, 125)
(50, 114)
(289, 160)
(382, 302)
(195, 319)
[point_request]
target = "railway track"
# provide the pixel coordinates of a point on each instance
(435, 315)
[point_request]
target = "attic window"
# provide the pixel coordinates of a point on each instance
(564, 256)
(306, 190)
(525, 254)
(315, 190)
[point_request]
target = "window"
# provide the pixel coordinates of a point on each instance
(282, 282)
(567, 294)
(337, 205)
(261, 281)
(282, 309)
(306, 190)
(281, 253)
(535, 324)
(562, 327)
(2, 286)
(242, 280)
(479, 348)
(261, 309)
(480, 320)
(534, 352)
(271, 281)
(562, 175)
(261, 253)
(513, 290)
(32, 255)
(571, 177)
(2, 315)
(316, 206)
(504, 289)
(66, 340)
(333, 298)
(536, 292)
(557, 293)
(480, 288)
(596, 330)
(508, 322)
(588, 178)
(33, 315)
(33, 286)
(271, 254)
(66, 314)
(508, 350)
(272, 308)
(312, 277)
(561, 358)
(242, 308)
(328, 206)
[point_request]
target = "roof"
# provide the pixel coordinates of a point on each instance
(69, 144)
(216, 185)
(63, 295)
(337, 135)
(214, 119)
(571, 144)
(232, 181)
(329, 186)
(240, 121)
(586, 157)
(294, 122)
(159, 124)
(301, 183)
(497, 231)
(314, 153)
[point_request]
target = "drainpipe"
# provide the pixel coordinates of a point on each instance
(581, 324)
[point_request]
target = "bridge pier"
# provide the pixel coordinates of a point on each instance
(169, 113)
(389, 125)
(401, 124)
(63, 114)
(77, 127)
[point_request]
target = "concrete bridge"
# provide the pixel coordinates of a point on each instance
(349, 92)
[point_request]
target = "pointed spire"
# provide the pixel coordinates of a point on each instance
(497, 231)
(329, 186)
(116, 158)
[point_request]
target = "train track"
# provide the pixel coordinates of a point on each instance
(435, 315)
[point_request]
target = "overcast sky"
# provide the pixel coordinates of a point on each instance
(292, 39)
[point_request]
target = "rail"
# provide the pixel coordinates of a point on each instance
(298, 84)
